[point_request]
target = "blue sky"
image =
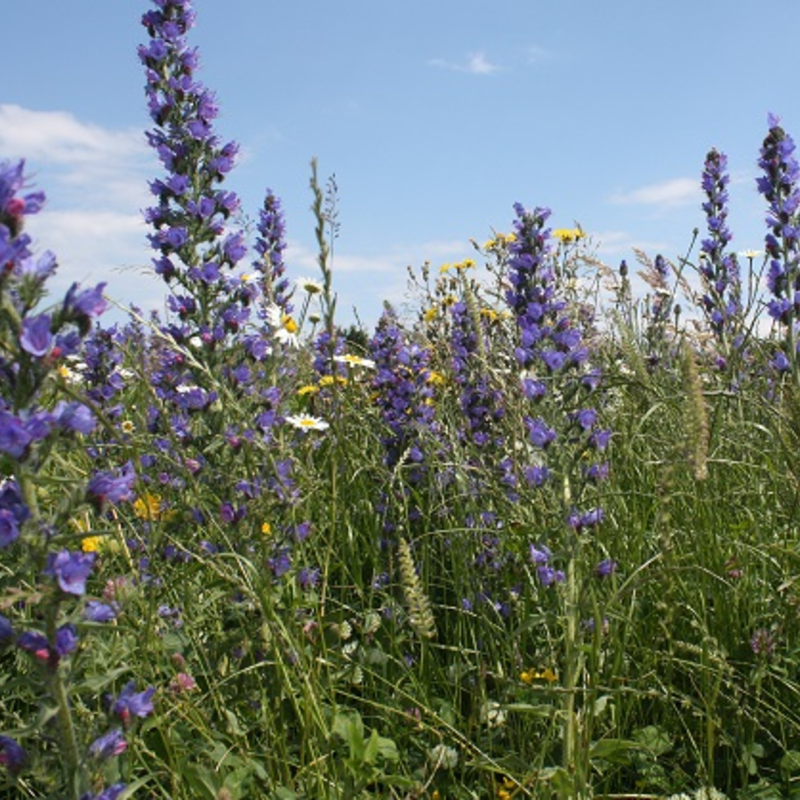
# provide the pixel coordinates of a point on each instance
(435, 116)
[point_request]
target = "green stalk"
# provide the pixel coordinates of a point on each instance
(69, 740)
(573, 762)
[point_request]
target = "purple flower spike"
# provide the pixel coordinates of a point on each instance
(70, 569)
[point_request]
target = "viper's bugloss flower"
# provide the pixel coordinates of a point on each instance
(718, 268)
(540, 554)
(71, 570)
(13, 511)
(106, 487)
(6, 630)
(108, 745)
(96, 611)
(781, 188)
(12, 754)
(73, 416)
(580, 521)
(194, 249)
(308, 577)
(270, 244)
(541, 435)
(481, 403)
(404, 393)
(548, 575)
(13, 206)
(46, 652)
(81, 306)
(15, 438)
(36, 336)
(605, 568)
(110, 793)
(131, 703)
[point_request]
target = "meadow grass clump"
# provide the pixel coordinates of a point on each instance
(535, 538)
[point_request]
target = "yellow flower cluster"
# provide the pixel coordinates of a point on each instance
(568, 235)
(530, 676)
(459, 266)
(500, 241)
(148, 506)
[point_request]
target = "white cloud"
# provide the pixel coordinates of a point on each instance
(475, 64)
(95, 180)
(621, 244)
(58, 138)
(670, 193)
(537, 54)
(363, 281)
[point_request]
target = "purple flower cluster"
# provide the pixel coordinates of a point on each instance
(548, 339)
(718, 268)
(564, 430)
(404, 393)
(194, 249)
(540, 556)
(481, 404)
(779, 185)
(270, 244)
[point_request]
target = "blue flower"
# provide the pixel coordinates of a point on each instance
(12, 755)
(131, 703)
(110, 744)
(70, 569)
(36, 337)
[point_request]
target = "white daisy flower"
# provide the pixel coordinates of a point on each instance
(355, 361)
(310, 286)
(306, 422)
(283, 326)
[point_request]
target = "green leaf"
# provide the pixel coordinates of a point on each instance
(790, 763)
(615, 750)
(654, 739)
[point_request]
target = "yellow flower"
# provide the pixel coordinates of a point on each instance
(568, 235)
(430, 314)
(329, 380)
(436, 378)
(445, 268)
(148, 506)
(530, 676)
(467, 263)
(92, 544)
(304, 390)
(266, 529)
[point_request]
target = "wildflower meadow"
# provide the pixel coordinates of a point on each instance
(536, 535)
